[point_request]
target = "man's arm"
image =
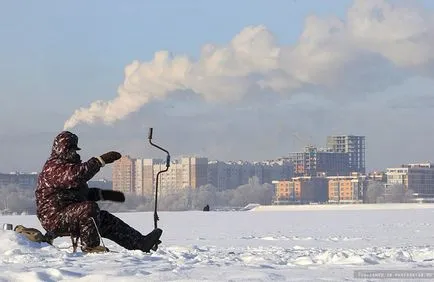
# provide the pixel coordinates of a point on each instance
(70, 175)
(67, 175)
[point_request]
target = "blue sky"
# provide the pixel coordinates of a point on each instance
(57, 56)
(74, 52)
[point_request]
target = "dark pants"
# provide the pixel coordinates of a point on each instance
(78, 219)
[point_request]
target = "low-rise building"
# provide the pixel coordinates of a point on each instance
(416, 177)
(302, 189)
(346, 189)
(19, 179)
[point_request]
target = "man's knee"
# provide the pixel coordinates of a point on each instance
(106, 217)
(104, 213)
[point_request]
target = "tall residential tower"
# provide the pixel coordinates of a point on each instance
(354, 146)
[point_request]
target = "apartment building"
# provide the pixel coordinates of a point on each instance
(280, 169)
(223, 175)
(19, 179)
(304, 189)
(354, 146)
(285, 191)
(195, 171)
(332, 189)
(379, 176)
(346, 189)
(315, 161)
(123, 174)
(418, 177)
(138, 176)
(230, 175)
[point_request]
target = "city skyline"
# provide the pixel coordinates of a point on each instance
(333, 173)
(136, 177)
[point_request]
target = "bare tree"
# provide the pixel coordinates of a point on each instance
(17, 200)
(408, 196)
(374, 192)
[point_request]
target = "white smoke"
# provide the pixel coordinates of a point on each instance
(378, 45)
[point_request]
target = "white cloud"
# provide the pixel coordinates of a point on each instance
(378, 45)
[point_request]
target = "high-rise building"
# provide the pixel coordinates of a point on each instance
(314, 161)
(196, 171)
(186, 172)
(354, 146)
(123, 174)
(230, 175)
(138, 176)
(148, 176)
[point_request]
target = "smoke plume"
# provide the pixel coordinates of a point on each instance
(379, 44)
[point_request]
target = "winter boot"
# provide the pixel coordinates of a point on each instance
(151, 240)
(32, 234)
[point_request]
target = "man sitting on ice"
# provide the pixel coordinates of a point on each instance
(67, 206)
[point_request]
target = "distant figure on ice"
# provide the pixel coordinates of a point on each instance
(206, 208)
(67, 206)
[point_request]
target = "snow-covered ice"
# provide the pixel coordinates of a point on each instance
(304, 243)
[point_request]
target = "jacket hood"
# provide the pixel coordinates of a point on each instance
(64, 143)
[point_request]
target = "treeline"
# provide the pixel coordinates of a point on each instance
(16, 200)
(196, 199)
(377, 192)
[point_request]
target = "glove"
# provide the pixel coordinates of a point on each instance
(109, 195)
(109, 157)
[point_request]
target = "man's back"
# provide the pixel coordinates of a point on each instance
(63, 177)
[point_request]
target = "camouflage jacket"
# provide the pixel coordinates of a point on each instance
(63, 179)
